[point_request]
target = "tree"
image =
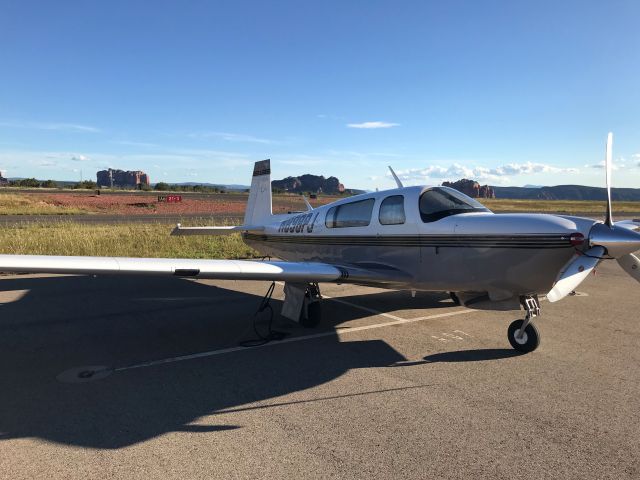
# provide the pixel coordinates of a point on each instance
(162, 186)
(27, 183)
(87, 184)
(49, 184)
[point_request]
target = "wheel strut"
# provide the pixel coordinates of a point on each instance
(532, 306)
(522, 334)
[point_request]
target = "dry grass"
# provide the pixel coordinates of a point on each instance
(557, 206)
(126, 240)
(20, 204)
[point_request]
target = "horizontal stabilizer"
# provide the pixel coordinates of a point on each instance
(180, 230)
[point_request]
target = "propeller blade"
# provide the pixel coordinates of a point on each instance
(608, 169)
(575, 273)
(631, 264)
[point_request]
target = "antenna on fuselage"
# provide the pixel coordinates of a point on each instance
(309, 207)
(395, 177)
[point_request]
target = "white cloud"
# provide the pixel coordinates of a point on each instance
(79, 158)
(500, 174)
(46, 163)
(373, 125)
(71, 127)
(617, 164)
(233, 137)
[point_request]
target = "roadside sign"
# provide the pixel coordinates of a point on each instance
(170, 198)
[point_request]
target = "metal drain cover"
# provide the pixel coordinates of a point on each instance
(84, 374)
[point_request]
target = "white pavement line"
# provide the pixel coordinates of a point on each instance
(366, 309)
(339, 333)
(463, 333)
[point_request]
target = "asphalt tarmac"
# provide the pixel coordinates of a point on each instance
(106, 377)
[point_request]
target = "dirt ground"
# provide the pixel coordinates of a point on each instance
(144, 204)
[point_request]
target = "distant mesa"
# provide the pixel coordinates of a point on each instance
(567, 192)
(122, 178)
(472, 188)
(309, 183)
(535, 192)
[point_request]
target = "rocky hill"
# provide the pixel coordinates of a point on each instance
(531, 192)
(567, 192)
(471, 188)
(309, 183)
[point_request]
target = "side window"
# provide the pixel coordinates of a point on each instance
(354, 214)
(392, 210)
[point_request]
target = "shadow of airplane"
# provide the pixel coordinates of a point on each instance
(71, 321)
(478, 355)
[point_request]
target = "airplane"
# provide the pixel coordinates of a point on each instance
(417, 238)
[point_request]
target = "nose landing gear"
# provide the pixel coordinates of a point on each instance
(522, 334)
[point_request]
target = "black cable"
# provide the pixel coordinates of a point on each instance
(271, 335)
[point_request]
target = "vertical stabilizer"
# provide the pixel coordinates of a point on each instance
(259, 205)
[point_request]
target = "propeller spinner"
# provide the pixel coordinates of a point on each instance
(607, 240)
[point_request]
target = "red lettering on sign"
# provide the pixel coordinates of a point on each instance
(170, 198)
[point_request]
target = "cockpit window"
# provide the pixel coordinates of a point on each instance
(440, 202)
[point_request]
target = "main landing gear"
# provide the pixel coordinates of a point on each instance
(311, 308)
(302, 303)
(523, 335)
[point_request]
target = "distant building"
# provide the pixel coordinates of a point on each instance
(122, 178)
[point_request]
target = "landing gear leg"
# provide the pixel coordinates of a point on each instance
(522, 334)
(311, 310)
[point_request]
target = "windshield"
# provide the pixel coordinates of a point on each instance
(440, 202)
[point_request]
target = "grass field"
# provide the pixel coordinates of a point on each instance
(70, 203)
(20, 204)
(557, 206)
(49, 202)
(125, 240)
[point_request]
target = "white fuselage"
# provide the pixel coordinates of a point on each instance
(503, 254)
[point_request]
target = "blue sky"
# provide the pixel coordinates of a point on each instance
(509, 92)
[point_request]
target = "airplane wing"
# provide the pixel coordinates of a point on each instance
(209, 269)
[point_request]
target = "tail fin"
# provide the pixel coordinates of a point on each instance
(259, 205)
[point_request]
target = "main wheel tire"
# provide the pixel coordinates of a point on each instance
(314, 312)
(529, 341)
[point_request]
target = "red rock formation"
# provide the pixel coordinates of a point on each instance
(471, 188)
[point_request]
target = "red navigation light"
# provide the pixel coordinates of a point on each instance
(576, 239)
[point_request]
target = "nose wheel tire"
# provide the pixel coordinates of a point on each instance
(527, 342)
